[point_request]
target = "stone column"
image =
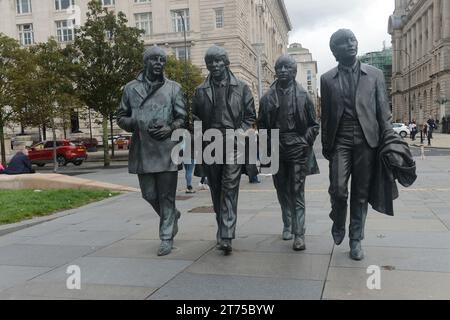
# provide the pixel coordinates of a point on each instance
(446, 18)
(418, 39)
(424, 35)
(430, 29)
(412, 36)
(436, 23)
(397, 55)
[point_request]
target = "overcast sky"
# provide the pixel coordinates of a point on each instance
(314, 21)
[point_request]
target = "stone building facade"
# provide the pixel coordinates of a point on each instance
(306, 70)
(237, 25)
(420, 32)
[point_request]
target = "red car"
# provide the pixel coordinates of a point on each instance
(66, 152)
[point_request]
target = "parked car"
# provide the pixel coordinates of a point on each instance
(66, 151)
(401, 129)
(123, 142)
(88, 143)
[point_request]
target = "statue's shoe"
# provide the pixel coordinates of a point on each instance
(287, 235)
(356, 252)
(226, 247)
(175, 225)
(338, 234)
(165, 247)
(299, 243)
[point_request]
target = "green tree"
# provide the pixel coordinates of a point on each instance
(11, 55)
(110, 55)
(48, 90)
(186, 74)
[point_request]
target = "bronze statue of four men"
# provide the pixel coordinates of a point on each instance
(355, 115)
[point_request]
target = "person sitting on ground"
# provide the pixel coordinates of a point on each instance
(19, 164)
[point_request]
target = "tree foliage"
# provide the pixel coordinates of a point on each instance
(186, 74)
(12, 59)
(109, 54)
(48, 91)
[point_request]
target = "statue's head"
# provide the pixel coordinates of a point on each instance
(286, 68)
(344, 45)
(154, 61)
(217, 61)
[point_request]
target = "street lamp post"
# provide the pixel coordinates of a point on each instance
(180, 13)
(409, 83)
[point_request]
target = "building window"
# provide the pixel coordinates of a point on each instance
(180, 53)
(177, 21)
(142, 1)
(26, 34)
(144, 22)
(63, 4)
(309, 80)
(219, 18)
(108, 2)
(64, 30)
(23, 6)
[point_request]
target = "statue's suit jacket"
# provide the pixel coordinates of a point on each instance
(372, 106)
(305, 120)
(239, 99)
(240, 103)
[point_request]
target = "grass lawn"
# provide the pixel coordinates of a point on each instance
(18, 205)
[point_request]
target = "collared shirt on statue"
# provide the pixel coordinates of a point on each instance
(286, 112)
(348, 80)
(221, 118)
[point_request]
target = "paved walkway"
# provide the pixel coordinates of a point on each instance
(114, 242)
(439, 140)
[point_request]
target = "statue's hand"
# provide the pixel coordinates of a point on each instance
(161, 133)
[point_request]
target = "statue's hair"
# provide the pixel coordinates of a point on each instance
(153, 51)
(214, 52)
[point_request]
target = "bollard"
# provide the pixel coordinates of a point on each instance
(422, 152)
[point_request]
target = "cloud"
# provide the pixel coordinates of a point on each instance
(306, 14)
(315, 21)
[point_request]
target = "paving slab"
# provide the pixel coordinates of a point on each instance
(406, 239)
(222, 287)
(406, 225)
(351, 284)
(413, 259)
(151, 273)
(40, 255)
(272, 224)
(187, 250)
(275, 244)
(32, 290)
(15, 275)
(78, 238)
(271, 265)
